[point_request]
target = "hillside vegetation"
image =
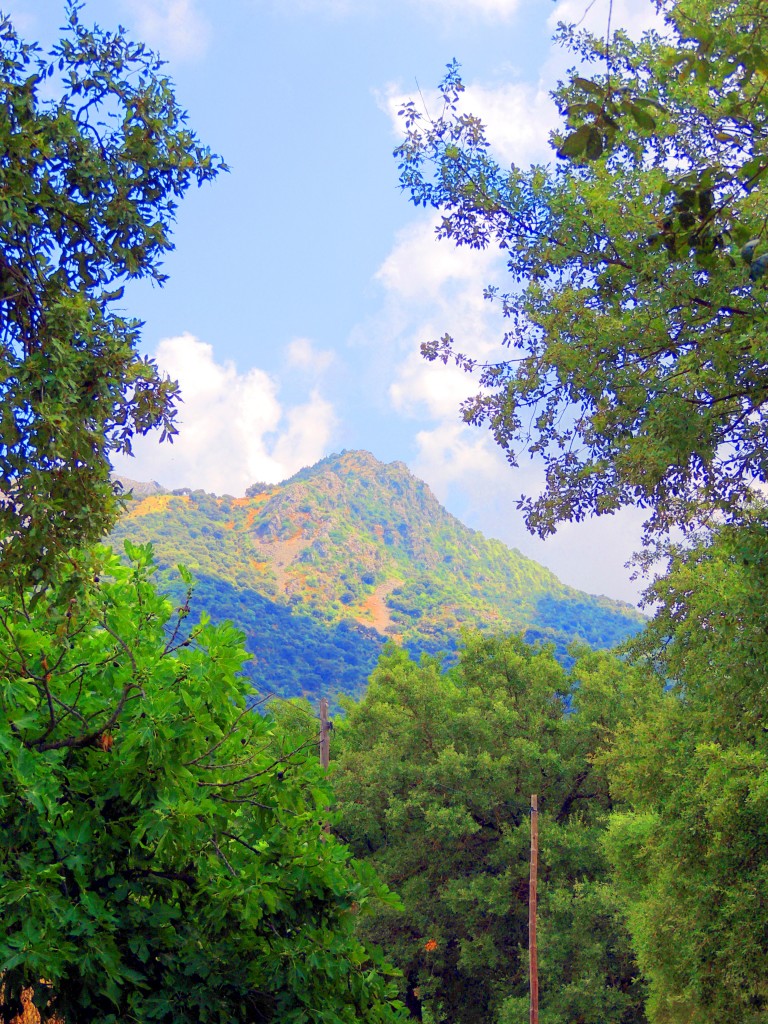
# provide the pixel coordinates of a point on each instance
(320, 570)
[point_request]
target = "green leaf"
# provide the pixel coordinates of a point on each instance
(747, 252)
(575, 144)
(641, 117)
(586, 85)
(594, 147)
(758, 267)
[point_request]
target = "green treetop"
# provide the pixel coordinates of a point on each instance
(162, 846)
(433, 782)
(636, 318)
(89, 182)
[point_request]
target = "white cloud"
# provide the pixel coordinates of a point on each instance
(175, 28)
(452, 454)
(421, 388)
(306, 439)
(303, 354)
(232, 428)
(419, 269)
(432, 287)
(519, 117)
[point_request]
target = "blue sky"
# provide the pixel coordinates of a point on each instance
(303, 281)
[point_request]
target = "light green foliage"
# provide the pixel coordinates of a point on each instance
(433, 783)
(690, 859)
(162, 854)
(636, 313)
(89, 183)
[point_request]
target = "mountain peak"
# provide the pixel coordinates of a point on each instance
(138, 488)
(356, 461)
(362, 551)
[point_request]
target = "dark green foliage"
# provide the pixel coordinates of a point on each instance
(433, 779)
(594, 621)
(292, 653)
(324, 567)
(162, 853)
(162, 850)
(89, 182)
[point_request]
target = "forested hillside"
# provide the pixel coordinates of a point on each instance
(321, 569)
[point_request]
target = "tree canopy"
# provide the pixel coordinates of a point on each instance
(636, 317)
(162, 846)
(164, 854)
(636, 329)
(89, 182)
(651, 771)
(688, 848)
(433, 779)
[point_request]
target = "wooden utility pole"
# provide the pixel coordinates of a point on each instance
(325, 744)
(533, 956)
(325, 739)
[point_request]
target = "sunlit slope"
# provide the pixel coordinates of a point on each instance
(320, 569)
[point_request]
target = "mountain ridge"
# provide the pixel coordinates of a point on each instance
(364, 552)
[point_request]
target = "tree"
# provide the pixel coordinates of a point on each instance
(89, 183)
(162, 852)
(689, 849)
(637, 314)
(433, 777)
(162, 849)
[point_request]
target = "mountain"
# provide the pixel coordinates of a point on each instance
(136, 488)
(320, 570)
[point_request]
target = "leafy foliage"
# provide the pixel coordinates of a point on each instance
(637, 371)
(637, 333)
(162, 853)
(291, 653)
(433, 779)
(89, 182)
(689, 852)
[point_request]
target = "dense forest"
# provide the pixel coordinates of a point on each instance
(171, 853)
